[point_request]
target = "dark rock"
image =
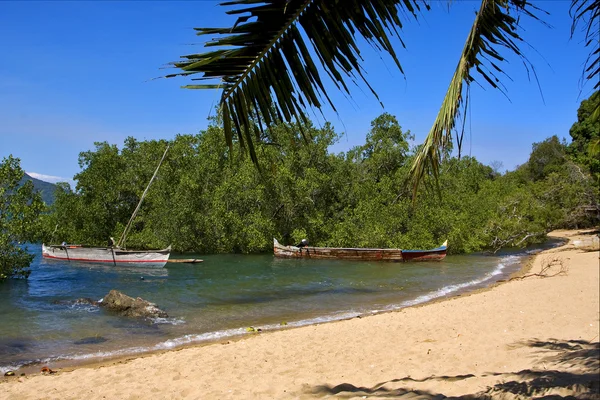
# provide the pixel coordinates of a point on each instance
(129, 307)
(91, 340)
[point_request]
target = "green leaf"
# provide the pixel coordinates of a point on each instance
(264, 65)
(494, 27)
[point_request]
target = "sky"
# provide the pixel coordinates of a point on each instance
(74, 73)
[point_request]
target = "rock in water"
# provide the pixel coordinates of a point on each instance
(130, 307)
(91, 340)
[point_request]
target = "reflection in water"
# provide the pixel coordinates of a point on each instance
(106, 268)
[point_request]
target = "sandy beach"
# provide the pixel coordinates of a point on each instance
(536, 335)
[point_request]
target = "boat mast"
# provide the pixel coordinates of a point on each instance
(121, 241)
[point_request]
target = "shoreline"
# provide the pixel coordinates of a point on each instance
(70, 364)
(274, 342)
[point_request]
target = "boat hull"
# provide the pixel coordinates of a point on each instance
(358, 254)
(424, 255)
(107, 255)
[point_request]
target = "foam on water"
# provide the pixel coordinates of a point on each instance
(446, 290)
(89, 308)
(313, 321)
(199, 338)
(168, 321)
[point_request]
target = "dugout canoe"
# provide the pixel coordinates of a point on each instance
(358, 253)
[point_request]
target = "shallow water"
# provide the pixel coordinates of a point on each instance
(213, 300)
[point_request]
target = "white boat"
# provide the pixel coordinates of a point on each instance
(107, 255)
(117, 254)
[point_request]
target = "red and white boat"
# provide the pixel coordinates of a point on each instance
(114, 254)
(107, 255)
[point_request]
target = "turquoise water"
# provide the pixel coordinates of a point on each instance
(213, 300)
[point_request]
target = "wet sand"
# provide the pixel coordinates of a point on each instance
(532, 336)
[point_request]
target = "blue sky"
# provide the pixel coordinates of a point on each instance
(74, 73)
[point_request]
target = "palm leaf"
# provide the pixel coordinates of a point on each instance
(495, 28)
(265, 67)
(587, 12)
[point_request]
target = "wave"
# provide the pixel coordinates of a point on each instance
(446, 290)
(168, 321)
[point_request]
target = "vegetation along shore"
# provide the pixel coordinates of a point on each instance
(224, 204)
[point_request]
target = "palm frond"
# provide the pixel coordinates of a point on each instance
(495, 29)
(264, 60)
(587, 12)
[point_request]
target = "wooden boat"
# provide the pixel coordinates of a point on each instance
(107, 255)
(359, 254)
(117, 254)
(437, 254)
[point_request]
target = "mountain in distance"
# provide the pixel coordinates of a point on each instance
(45, 188)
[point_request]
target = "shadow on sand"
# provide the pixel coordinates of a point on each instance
(572, 371)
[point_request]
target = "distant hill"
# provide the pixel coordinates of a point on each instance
(45, 188)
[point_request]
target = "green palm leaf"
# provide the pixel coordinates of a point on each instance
(266, 69)
(267, 72)
(495, 28)
(587, 12)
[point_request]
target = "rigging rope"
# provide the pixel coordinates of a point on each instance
(121, 242)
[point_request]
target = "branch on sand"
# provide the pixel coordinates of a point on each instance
(550, 267)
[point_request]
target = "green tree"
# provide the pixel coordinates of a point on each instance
(585, 134)
(20, 207)
(63, 222)
(386, 147)
(209, 199)
(375, 213)
(546, 157)
(106, 195)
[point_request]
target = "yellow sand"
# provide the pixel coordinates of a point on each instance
(525, 338)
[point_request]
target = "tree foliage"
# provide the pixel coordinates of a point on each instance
(209, 199)
(585, 134)
(546, 157)
(20, 206)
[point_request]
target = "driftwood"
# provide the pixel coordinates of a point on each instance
(547, 266)
(500, 243)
